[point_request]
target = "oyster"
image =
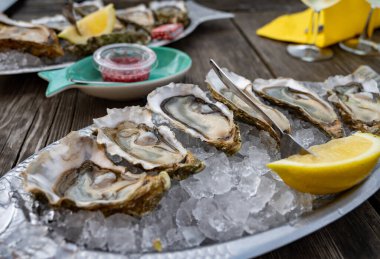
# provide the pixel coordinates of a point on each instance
(292, 94)
(57, 22)
(77, 173)
(86, 7)
(130, 134)
(170, 12)
(188, 108)
(139, 15)
(241, 110)
(358, 108)
(26, 37)
(128, 34)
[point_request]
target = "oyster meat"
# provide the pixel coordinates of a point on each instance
(129, 133)
(139, 15)
(358, 108)
(27, 37)
(77, 173)
(241, 110)
(292, 94)
(170, 12)
(188, 108)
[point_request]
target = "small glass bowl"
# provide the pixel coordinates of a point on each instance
(124, 62)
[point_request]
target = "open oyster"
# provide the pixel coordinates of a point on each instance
(292, 94)
(130, 134)
(76, 172)
(359, 108)
(27, 37)
(171, 11)
(188, 108)
(241, 110)
(139, 15)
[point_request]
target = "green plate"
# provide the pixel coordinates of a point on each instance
(171, 65)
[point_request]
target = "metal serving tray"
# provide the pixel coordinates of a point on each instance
(15, 206)
(198, 14)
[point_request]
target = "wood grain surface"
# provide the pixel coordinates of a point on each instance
(30, 121)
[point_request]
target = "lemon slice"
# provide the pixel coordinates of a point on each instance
(95, 24)
(337, 166)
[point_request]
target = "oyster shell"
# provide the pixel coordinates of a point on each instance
(57, 22)
(358, 108)
(292, 94)
(77, 173)
(188, 108)
(86, 7)
(139, 15)
(170, 12)
(241, 110)
(130, 134)
(27, 37)
(128, 34)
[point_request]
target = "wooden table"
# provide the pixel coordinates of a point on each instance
(30, 121)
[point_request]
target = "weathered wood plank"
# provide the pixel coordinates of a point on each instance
(20, 117)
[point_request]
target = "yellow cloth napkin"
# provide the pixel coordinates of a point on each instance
(341, 21)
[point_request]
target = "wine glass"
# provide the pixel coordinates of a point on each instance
(310, 52)
(363, 45)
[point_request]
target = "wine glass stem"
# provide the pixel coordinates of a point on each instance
(366, 34)
(315, 26)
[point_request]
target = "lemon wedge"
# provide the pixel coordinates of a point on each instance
(95, 24)
(338, 165)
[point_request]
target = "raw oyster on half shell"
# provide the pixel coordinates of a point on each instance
(188, 108)
(241, 110)
(171, 11)
(307, 104)
(27, 37)
(130, 134)
(139, 15)
(77, 173)
(358, 108)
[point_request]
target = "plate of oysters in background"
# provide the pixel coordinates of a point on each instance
(197, 173)
(59, 43)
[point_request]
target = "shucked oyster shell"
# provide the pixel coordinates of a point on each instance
(130, 134)
(188, 108)
(76, 172)
(359, 108)
(139, 15)
(26, 37)
(241, 110)
(292, 94)
(170, 12)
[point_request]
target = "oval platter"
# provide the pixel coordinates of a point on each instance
(198, 14)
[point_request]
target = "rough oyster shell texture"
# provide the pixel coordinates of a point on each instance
(129, 133)
(127, 34)
(35, 39)
(358, 103)
(241, 110)
(188, 108)
(294, 95)
(77, 173)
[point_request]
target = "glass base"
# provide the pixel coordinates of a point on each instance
(360, 47)
(309, 53)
